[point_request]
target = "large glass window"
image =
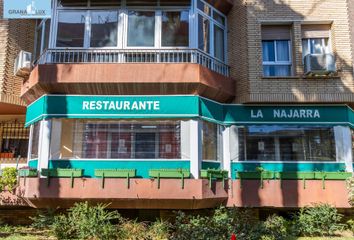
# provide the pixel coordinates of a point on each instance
(141, 29)
(210, 141)
(286, 143)
(175, 29)
(315, 46)
(121, 140)
(71, 29)
(104, 27)
(211, 30)
(35, 140)
(276, 58)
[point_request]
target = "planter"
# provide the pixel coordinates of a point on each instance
(169, 173)
(27, 173)
(332, 175)
(296, 175)
(256, 175)
(214, 174)
(62, 172)
(115, 173)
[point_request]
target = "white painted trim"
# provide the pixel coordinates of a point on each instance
(226, 162)
(195, 148)
(295, 162)
(44, 144)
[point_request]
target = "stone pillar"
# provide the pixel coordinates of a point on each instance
(195, 147)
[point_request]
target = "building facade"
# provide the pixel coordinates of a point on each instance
(191, 104)
(14, 36)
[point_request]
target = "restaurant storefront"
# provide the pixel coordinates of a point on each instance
(187, 132)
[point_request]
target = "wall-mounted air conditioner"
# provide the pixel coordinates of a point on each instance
(22, 66)
(319, 64)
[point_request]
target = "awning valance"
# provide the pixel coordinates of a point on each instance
(183, 106)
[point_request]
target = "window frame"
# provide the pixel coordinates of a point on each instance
(276, 62)
(212, 21)
(324, 49)
(122, 31)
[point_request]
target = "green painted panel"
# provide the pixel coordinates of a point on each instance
(142, 167)
(286, 114)
(210, 165)
(185, 106)
(287, 167)
(33, 163)
(71, 106)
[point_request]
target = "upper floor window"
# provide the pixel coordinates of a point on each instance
(315, 39)
(143, 28)
(276, 51)
(211, 30)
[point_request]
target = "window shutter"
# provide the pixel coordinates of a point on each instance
(276, 32)
(315, 31)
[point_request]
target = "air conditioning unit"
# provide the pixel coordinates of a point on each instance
(22, 67)
(319, 64)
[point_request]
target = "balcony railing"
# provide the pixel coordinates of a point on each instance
(56, 56)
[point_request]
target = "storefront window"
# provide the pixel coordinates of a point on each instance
(35, 140)
(210, 139)
(286, 143)
(121, 140)
(13, 140)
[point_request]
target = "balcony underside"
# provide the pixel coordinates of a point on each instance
(196, 194)
(127, 79)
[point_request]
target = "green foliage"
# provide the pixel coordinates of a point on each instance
(159, 230)
(350, 186)
(350, 225)
(319, 220)
(220, 225)
(86, 222)
(44, 219)
(133, 230)
(8, 179)
(274, 228)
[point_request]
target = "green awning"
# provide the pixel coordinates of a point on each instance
(183, 106)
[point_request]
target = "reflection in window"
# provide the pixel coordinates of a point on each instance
(286, 143)
(71, 29)
(141, 29)
(104, 26)
(219, 43)
(276, 58)
(203, 34)
(210, 141)
(315, 46)
(175, 29)
(35, 140)
(125, 140)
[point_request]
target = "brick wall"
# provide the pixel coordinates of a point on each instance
(15, 35)
(245, 55)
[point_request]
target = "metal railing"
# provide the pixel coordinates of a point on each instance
(133, 56)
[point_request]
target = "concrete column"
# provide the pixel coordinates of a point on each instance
(185, 140)
(44, 144)
(226, 156)
(195, 147)
(343, 139)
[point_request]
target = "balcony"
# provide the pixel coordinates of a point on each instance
(179, 49)
(129, 72)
